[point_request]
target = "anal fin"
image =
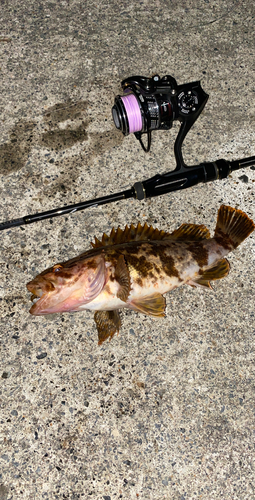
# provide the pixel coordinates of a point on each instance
(153, 305)
(108, 323)
(216, 272)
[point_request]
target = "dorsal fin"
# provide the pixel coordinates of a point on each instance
(130, 233)
(191, 232)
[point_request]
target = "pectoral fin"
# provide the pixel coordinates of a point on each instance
(217, 272)
(123, 278)
(108, 323)
(153, 305)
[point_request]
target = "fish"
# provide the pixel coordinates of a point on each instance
(134, 267)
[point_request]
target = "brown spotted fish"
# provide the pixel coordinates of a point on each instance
(134, 267)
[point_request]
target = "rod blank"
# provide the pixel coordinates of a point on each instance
(180, 178)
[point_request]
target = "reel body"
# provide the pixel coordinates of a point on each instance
(154, 103)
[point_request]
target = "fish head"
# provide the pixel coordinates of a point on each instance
(67, 286)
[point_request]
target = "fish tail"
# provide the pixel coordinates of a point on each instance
(232, 227)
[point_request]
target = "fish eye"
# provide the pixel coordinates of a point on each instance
(57, 268)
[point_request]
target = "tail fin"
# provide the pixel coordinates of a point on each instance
(232, 227)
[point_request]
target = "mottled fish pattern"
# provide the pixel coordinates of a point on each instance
(133, 268)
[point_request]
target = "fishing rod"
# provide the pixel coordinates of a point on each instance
(153, 104)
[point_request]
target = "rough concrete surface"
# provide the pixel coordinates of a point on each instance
(166, 409)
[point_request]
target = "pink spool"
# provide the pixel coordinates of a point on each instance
(133, 113)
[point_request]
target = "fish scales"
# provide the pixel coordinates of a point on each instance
(133, 268)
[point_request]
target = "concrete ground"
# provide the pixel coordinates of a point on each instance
(166, 409)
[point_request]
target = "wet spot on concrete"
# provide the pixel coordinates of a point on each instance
(56, 138)
(3, 492)
(104, 142)
(63, 111)
(59, 139)
(14, 153)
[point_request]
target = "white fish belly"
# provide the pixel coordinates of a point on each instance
(107, 300)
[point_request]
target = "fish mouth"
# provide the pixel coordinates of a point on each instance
(39, 292)
(34, 298)
(36, 302)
